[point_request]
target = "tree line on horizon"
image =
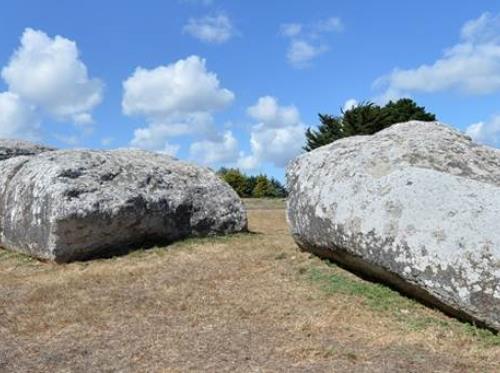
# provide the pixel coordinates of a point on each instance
(248, 186)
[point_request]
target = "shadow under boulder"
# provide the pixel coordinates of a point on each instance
(74, 204)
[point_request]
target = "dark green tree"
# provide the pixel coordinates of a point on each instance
(252, 186)
(263, 187)
(279, 191)
(364, 119)
(251, 181)
(328, 131)
(406, 109)
(235, 178)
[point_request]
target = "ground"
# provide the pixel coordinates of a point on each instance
(248, 302)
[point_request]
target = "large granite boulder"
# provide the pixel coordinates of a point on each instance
(416, 205)
(72, 204)
(10, 148)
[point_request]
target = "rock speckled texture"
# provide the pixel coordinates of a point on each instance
(14, 148)
(71, 204)
(416, 205)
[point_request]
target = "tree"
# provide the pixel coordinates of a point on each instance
(329, 130)
(364, 119)
(252, 186)
(263, 187)
(279, 191)
(251, 181)
(406, 109)
(235, 178)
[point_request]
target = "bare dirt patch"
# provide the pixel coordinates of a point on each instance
(249, 302)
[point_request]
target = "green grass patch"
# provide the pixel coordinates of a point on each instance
(376, 296)
(7, 255)
(264, 203)
(408, 313)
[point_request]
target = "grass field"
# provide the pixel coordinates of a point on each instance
(249, 302)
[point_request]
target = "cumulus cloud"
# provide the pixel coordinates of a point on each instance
(306, 41)
(180, 88)
(47, 72)
(175, 100)
(214, 29)
(301, 52)
(329, 25)
(278, 136)
(276, 145)
(472, 66)
(221, 150)
(291, 29)
(170, 149)
(487, 133)
(17, 119)
(268, 111)
(155, 135)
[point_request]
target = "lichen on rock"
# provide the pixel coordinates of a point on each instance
(416, 205)
(71, 204)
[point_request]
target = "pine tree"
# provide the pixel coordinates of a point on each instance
(236, 179)
(252, 186)
(406, 109)
(263, 187)
(364, 119)
(329, 130)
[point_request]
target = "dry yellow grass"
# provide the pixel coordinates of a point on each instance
(249, 302)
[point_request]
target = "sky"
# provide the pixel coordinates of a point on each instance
(236, 83)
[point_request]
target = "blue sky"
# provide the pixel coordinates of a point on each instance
(235, 83)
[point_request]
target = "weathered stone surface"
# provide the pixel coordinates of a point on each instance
(416, 205)
(15, 148)
(71, 204)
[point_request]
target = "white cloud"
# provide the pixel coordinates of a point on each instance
(154, 138)
(176, 89)
(472, 66)
(222, 150)
(277, 138)
(329, 25)
(291, 29)
(47, 72)
(486, 132)
(301, 53)
(155, 135)
(215, 29)
(17, 119)
(269, 112)
(277, 145)
(484, 29)
(247, 162)
(170, 149)
(350, 104)
(176, 100)
(306, 40)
